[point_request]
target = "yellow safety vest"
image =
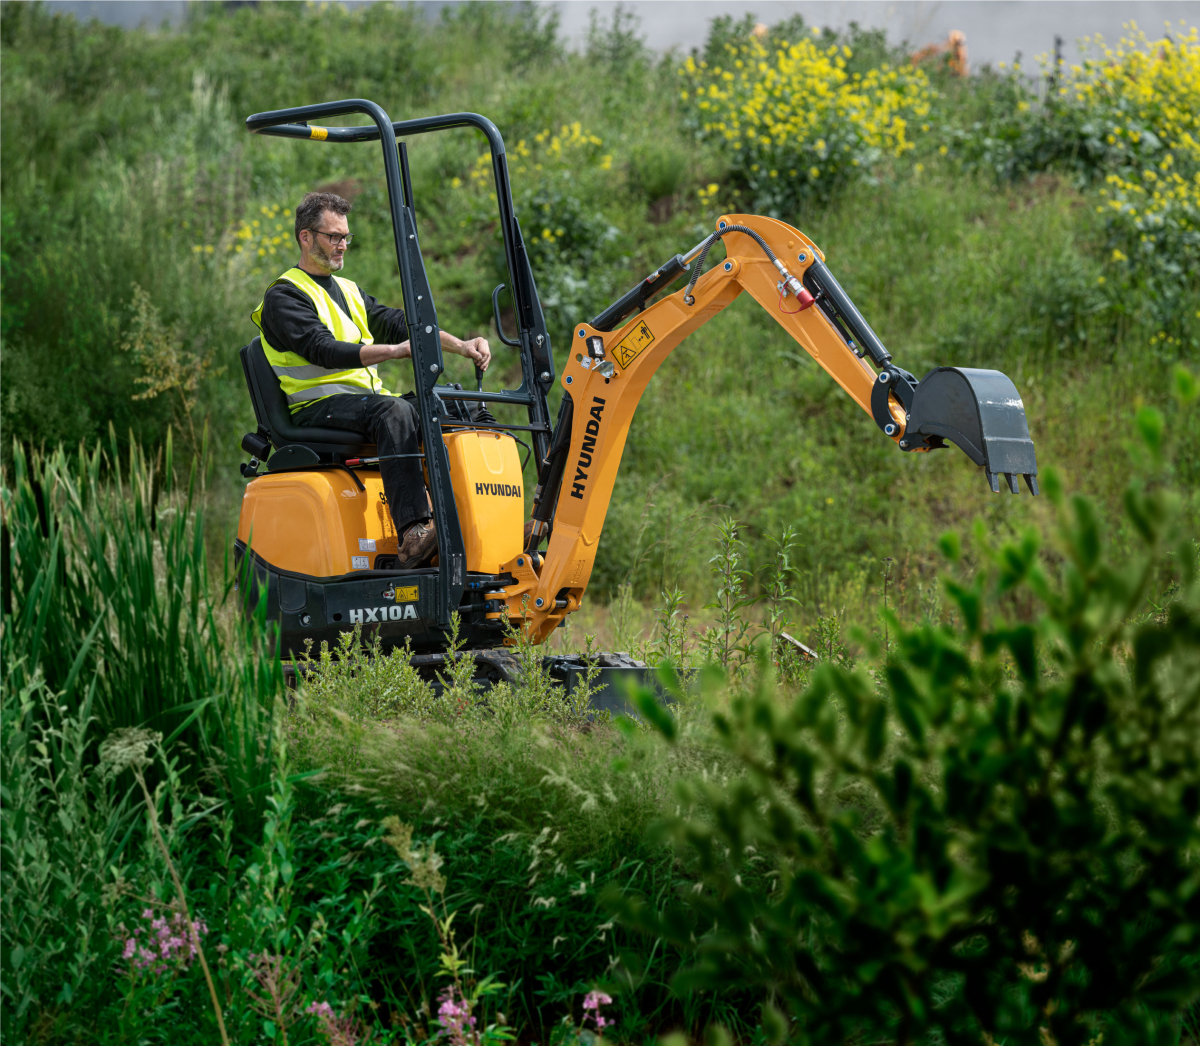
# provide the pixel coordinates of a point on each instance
(303, 382)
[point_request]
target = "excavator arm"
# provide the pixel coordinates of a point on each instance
(612, 359)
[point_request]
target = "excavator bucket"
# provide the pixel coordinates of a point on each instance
(980, 411)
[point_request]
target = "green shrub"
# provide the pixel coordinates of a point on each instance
(995, 837)
(108, 602)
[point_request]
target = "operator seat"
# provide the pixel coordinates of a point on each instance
(295, 445)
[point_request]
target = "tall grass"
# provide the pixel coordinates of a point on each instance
(110, 607)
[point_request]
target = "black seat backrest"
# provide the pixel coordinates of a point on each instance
(275, 420)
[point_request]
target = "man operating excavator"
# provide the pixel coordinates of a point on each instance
(324, 339)
(306, 522)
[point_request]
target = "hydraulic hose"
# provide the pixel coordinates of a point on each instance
(699, 268)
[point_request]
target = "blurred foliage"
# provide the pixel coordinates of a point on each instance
(993, 838)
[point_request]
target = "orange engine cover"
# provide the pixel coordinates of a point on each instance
(485, 472)
(317, 523)
(321, 525)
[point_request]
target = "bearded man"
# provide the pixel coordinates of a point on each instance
(324, 339)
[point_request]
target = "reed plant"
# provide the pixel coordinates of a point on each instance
(110, 604)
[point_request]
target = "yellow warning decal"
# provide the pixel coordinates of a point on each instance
(319, 133)
(406, 595)
(630, 347)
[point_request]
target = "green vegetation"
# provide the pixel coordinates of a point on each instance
(980, 811)
(988, 826)
(141, 224)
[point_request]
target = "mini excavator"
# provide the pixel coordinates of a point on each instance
(317, 533)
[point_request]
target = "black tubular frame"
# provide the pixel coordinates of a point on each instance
(537, 362)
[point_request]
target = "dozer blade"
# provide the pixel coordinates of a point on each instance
(981, 411)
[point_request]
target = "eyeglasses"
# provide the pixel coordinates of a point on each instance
(335, 238)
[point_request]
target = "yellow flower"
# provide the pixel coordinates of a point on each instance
(752, 105)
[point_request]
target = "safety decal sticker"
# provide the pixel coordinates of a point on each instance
(630, 347)
(366, 544)
(360, 562)
(406, 595)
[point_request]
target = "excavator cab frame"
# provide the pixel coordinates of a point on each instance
(433, 398)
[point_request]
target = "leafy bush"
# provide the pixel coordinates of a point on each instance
(795, 123)
(558, 178)
(996, 837)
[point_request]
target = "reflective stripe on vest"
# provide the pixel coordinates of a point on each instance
(304, 382)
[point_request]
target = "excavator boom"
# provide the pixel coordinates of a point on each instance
(611, 360)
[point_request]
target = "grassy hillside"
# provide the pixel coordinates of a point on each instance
(980, 827)
(141, 224)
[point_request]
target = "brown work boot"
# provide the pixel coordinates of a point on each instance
(418, 545)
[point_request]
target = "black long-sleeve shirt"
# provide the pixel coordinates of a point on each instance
(290, 324)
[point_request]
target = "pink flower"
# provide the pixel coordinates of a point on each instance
(167, 944)
(320, 1009)
(454, 1015)
(592, 1002)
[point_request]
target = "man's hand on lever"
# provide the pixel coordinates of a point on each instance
(475, 349)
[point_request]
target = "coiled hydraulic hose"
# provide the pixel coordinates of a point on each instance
(707, 245)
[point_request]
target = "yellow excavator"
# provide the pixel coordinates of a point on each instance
(316, 537)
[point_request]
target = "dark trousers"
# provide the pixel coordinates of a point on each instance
(391, 424)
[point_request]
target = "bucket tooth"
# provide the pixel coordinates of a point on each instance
(1031, 483)
(981, 412)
